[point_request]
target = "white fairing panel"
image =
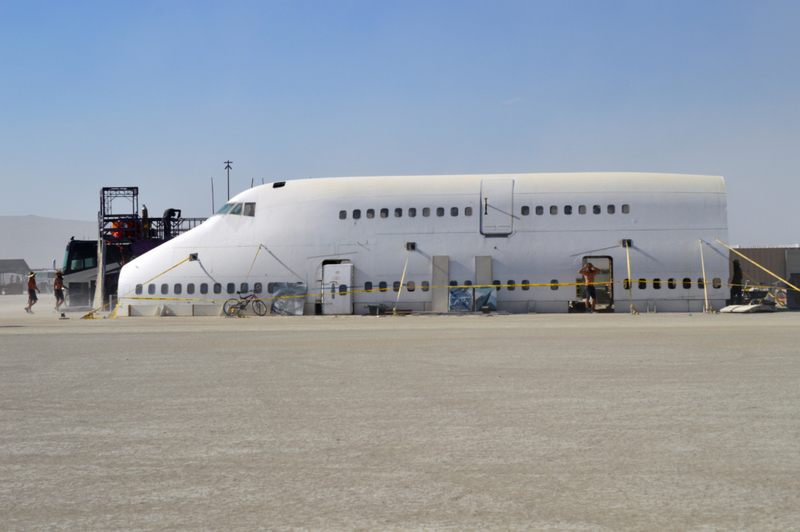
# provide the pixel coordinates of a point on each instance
(536, 228)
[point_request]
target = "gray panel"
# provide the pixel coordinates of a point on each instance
(483, 270)
(440, 279)
(289, 299)
(461, 299)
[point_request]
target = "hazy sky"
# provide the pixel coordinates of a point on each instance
(159, 94)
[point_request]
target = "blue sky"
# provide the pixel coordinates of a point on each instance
(160, 94)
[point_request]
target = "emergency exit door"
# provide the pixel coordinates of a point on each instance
(337, 288)
(497, 207)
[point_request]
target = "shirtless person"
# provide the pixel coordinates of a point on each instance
(32, 289)
(588, 272)
(58, 289)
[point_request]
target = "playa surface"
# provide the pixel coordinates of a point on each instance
(526, 422)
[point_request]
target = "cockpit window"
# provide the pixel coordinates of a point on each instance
(249, 209)
(237, 209)
(225, 208)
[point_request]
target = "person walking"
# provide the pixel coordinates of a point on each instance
(58, 288)
(588, 272)
(32, 289)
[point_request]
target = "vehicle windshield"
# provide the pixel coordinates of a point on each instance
(237, 209)
(225, 208)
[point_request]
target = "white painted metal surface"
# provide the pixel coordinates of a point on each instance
(310, 221)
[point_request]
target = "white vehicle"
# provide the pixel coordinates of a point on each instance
(527, 235)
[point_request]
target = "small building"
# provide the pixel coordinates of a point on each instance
(782, 261)
(12, 275)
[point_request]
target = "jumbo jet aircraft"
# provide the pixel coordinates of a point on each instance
(358, 241)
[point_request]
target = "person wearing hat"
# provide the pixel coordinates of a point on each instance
(736, 284)
(58, 288)
(32, 289)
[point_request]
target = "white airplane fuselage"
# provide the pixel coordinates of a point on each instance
(511, 230)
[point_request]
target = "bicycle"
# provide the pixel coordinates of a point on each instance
(234, 306)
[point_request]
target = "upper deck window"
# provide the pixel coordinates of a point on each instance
(539, 210)
(370, 213)
(567, 209)
(412, 212)
(582, 209)
(343, 215)
(611, 209)
(553, 209)
(626, 209)
(596, 209)
(384, 213)
(526, 210)
(439, 211)
(467, 211)
(453, 211)
(426, 211)
(356, 214)
(398, 213)
(249, 209)
(225, 208)
(237, 209)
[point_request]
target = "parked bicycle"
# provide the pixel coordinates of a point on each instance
(234, 306)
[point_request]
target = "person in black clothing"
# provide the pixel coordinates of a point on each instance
(736, 284)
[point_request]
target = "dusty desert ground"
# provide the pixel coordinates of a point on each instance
(528, 422)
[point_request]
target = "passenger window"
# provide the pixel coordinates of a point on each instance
(642, 284)
(526, 284)
(497, 284)
(271, 288)
(611, 209)
(671, 284)
(396, 286)
(467, 283)
(244, 287)
(204, 288)
(138, 289)
(384, 213)
(453, 283)
(412, 212)
(596, 209)
(382, 286)
(567, 209)
(700, 284)
(356, 214)
(258, 288)
(539, 210)
(164, 289)
(370, 213)
(217, 288)
(626, 284)
(440, 211)
(525, 210)
(151, 289)
(553, 209)
(467, 211)
(368, 286)
(687, 283)
(453, 211)
(343, 215)
(554, 284)
(582, 209)
(249, 209)
(190, 288)
(237, 209)
(231, 288)
(626, 209)
(398, 213)
(177, 288)
(342, 289)
(657, 284)
(411, 286)
(425, 286)
(716, 283)
(511, 285)
(426, 212)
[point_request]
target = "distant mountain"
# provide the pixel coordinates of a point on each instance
(40, 240)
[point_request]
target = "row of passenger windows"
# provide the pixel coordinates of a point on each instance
(411, 286)
(242, 209)
(672, 283)
(454, 211)
(596, 209)
(398, 213)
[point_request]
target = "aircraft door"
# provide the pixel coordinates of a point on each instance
(605, 288)
(337, 288)
(497, 206)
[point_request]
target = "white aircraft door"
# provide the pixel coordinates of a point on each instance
(337, 288)
(497, 206)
